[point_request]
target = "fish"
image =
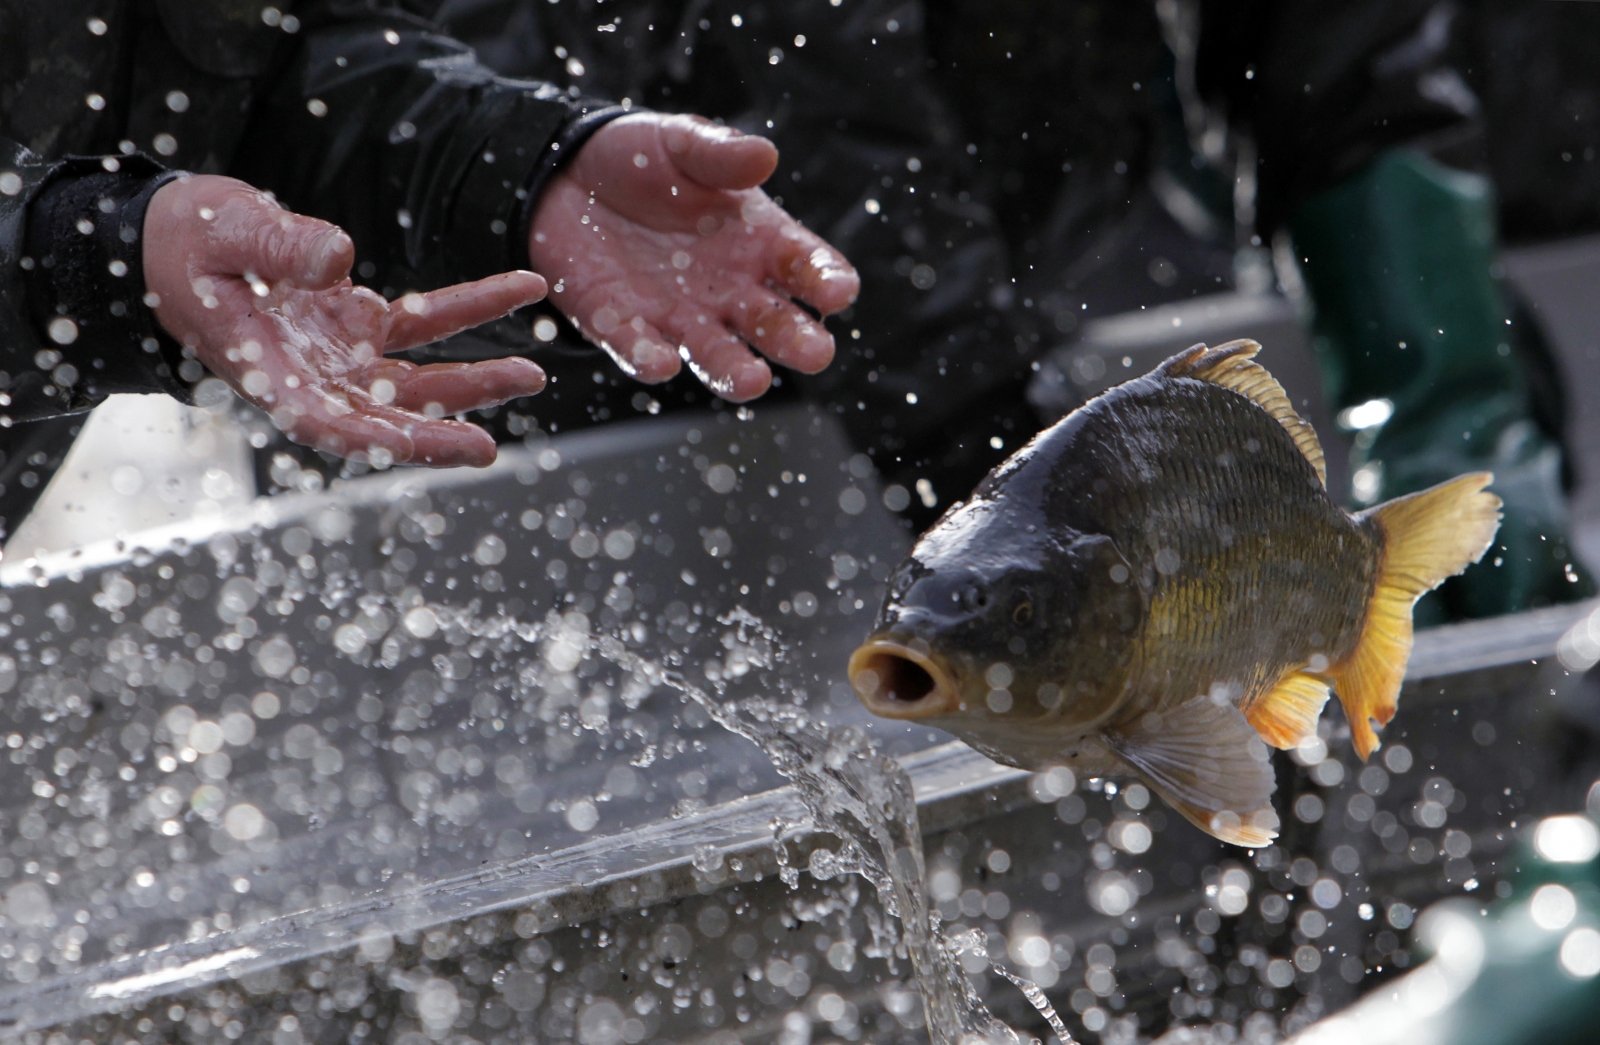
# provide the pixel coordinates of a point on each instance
(1160, 585)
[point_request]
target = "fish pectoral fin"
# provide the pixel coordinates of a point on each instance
(1288, 712)
(1232, 366)
(1427, 537)
(1207, 762)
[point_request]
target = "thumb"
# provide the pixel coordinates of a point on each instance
(716, 156)
(253, 235)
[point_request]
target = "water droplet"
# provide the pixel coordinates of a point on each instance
(63, 331)
(583, 815)
(721, 478)
(276, 657)
(244, 822)
(489, 551)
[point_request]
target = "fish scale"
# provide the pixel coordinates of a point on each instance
(1267, 635)
(1160, 584)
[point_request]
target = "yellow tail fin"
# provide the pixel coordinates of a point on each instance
(1427, 537)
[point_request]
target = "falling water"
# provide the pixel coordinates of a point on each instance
(1037, 999)
(853, 792)
(864, 798)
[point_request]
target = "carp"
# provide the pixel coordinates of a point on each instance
(1160, 584)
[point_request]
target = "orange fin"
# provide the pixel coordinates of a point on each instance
(1253, 832)
(1233, 366)
(1203, 758)
(1427, 537)
(1288, 713)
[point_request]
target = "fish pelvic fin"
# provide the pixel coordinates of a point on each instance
(1427, 536)
(1233, 366)
(1288, 712)
(1207, 762)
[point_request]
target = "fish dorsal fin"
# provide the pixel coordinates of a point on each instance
(1233, 366)
(1203, 758)
(1427, 536)
(1288, 712)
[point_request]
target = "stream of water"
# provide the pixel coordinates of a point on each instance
(852, 791)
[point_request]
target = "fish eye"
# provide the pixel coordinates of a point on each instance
(973, 597)
(1022, 612)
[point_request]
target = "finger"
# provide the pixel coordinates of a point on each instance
(608, 315)
(806, 267)
(418, 319)
(454, 388)
(337, 425)
(627, 171)
(716, 156)
(723, 363)
(354, 426)
(253, 236)
(642, 352)
(451, 444)
(782, 332)
(373, 430)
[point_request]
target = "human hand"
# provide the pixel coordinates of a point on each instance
(665, 251)
(264, 298)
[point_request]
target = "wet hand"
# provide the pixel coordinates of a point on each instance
(665, 251)
(264, 298)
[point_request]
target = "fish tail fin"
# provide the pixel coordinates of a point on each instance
(1427, 536)
(1288, 713)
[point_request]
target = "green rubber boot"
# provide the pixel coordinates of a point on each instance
(1522, 971)
(1398, 260)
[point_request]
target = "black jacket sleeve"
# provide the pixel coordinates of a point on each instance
(397, 133)
(74, 325)
(357, 111)
(932, 357)
(1326, 85)
(365, 115)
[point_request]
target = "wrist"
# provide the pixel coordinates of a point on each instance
(86, 289)
(565, 144)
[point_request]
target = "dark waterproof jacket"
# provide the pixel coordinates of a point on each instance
(874, 158)
(986, 164)
(356, 111)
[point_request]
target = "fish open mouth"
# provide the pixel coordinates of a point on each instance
(896, 681)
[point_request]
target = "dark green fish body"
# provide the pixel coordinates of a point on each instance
(1161, 584)
(1246, 565)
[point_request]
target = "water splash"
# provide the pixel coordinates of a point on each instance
(865, 798)
(850, 789)
(1036, 998)
(861, 796)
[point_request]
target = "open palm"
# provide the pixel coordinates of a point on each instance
(664, 251)
(263, 298)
